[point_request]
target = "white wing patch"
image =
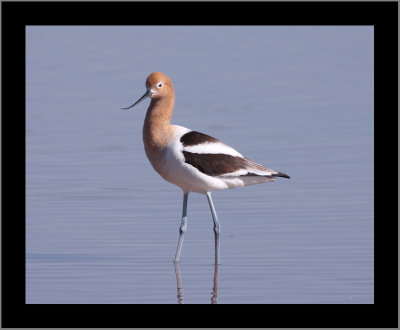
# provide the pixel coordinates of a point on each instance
(247, 171)
(212, 148)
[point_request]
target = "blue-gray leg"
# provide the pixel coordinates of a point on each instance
(182, 229)
(217, 227)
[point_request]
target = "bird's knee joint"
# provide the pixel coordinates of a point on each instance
(183, 227)
(217, 229)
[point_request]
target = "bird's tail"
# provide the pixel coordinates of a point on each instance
(281, 174)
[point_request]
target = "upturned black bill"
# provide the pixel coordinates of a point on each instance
(147, 94)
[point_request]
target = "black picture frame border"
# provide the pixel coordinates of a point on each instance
(382, 15)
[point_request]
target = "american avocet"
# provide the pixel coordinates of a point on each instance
(194, 161)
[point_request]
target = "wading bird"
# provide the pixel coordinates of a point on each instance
(194, 161)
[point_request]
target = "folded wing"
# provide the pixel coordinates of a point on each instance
(214, 158)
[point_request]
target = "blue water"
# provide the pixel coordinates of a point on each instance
(102, 226)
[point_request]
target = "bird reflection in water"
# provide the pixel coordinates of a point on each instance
(179, 283)
(214, 293)
(214, 296)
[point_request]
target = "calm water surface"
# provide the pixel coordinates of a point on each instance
(102, 226)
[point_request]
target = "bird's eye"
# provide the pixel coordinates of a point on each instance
(159, 85)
